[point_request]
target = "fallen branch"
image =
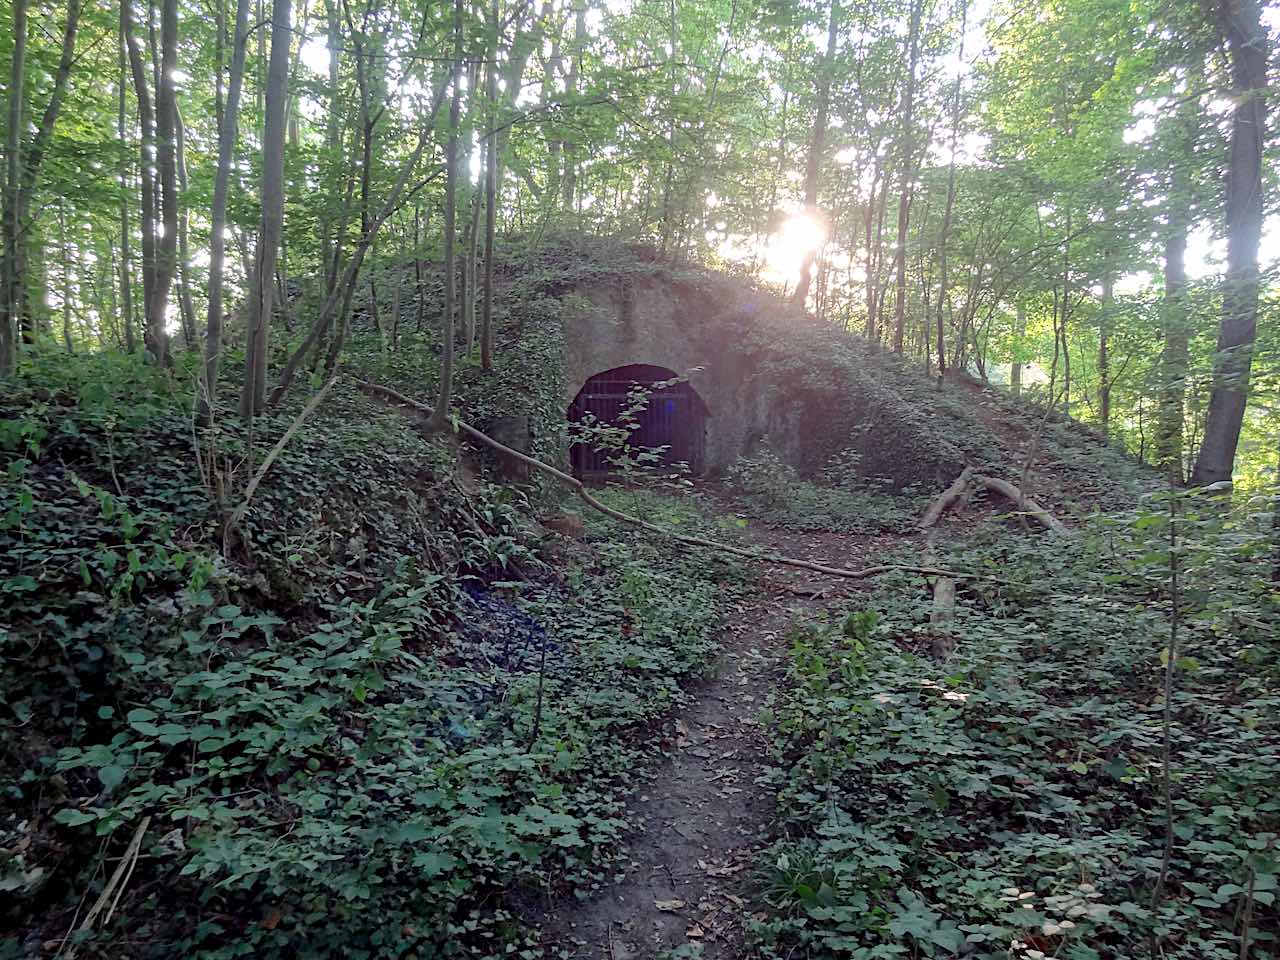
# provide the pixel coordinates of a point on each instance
(944, 500)
(585, 496)
(280, 444)
(116, 885)
(1025, 505)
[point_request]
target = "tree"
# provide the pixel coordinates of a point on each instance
(228, 129)
(813, 166)
(254, 390)
(22, 174)
(440, 417)
(1246, 45)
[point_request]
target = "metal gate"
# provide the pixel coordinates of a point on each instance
(672, 424)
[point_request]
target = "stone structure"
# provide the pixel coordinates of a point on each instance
(664, 325)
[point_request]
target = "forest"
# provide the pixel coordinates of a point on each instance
(922, 596)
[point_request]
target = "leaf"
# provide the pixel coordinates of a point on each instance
(669, 906)
(111, 776)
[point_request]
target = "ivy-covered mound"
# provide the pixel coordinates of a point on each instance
(348, 726)
(842, 399)
(1010, 802)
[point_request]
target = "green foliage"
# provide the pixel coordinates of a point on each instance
(844, 503)
(1009, 802)
(353, 731)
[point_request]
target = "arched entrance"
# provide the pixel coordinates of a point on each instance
(672, 422)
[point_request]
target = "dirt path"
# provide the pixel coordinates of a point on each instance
(701, 818)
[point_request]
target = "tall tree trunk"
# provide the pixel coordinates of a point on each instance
(440, 417)
(22, 177)
(153, 333)
(569, 183)
(9, 339)
(1174, 352)
(227, 133)
(329, 244)
(943, 294)
(189, 331)
(253, 393)
(418, 291)
(126, 256)
(906, 157)
(1019, 331)
(1104, 344)
(813, 164)
(471, 239)
(167, 172)
(66, 277)
(490, 207)
(1246, 42)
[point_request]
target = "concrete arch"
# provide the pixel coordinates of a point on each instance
(657, 324)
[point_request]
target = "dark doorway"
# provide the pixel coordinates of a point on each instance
(673, 422)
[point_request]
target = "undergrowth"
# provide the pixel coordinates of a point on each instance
(840, 500)
(360, 731)
(1010, 801)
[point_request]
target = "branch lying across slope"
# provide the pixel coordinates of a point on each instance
(585, 496)
(948, 496)
(1024, 503)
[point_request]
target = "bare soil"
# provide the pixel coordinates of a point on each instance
(701, 820)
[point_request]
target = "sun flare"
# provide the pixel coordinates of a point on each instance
(800, 235)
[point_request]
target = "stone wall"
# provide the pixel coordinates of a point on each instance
(763, 369)
(664, 324)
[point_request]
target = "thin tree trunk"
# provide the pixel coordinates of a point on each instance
(189, 331)
(1104, 344)
(9, 339)
(1246, 41)
(1174, 353)
(943, 294)
(166, 245)
(126, 279)
(569, 183)
(1019, 332)
(66, 277)
(906, 174)
(813, 165)
(153, 334)
(490, 209)
(419, 292)
(469, 271)
(439, 418)
(227, 133)
(253, 393)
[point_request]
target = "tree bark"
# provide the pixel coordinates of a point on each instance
(189, 331)
(1019, 331)
(227, 133)
(1104, 344)
(907, 173)
(813, 165)
(13, 184)
(490, 207)
(22, 177)
(167, 171)
(253, 392)
(440, 417)
(153, 332)
(1246, 42)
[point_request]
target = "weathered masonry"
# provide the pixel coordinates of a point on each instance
(655, 333)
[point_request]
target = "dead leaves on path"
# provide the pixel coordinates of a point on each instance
(713, 919)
